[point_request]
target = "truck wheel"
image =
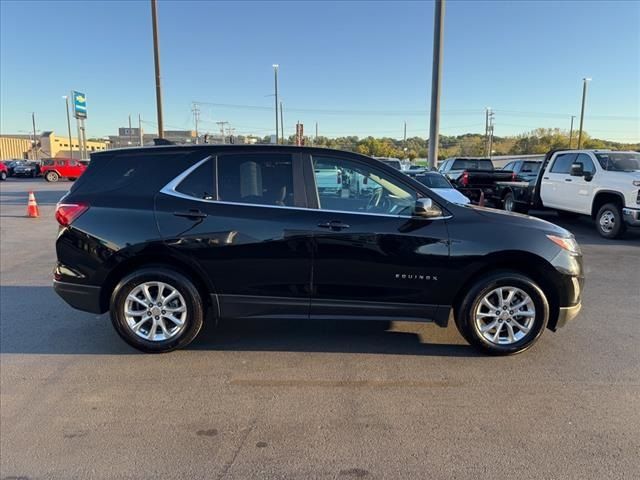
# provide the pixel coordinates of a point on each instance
(156, 310)
(51, 177)
(503, 313)
(609, 221)
(509, 203)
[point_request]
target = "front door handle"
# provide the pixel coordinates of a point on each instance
(334, 225)
(191, 214)
(567, 180)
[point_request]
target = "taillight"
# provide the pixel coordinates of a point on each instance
(67, 213)
(464, 180)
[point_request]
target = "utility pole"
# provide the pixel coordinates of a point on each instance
(66, 101)
(196, 117)
(491, 116)
(486, 130)
(222, 124)
(571, 130)
(316, 132)
(130, 132)
(281, 123)
(140, 135)
(404, 141)
(436, 76)
(35, 139)
(584, 99)
(275, 72)
(156, 59)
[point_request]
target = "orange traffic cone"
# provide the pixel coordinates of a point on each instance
(32, 206)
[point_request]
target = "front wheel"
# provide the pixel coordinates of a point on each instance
(3, 176)
(503, 313)
(609, 221)
(51, 177)
(156, 310)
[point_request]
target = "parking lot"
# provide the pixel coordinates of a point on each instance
(311, 400)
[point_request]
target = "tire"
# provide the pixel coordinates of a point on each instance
(3, 176)
(609, 221)
(188, 299)
(52, 176)
(509, 203)
(472, 314)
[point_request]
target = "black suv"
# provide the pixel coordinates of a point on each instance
(159, 235)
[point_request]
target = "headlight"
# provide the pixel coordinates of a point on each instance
(566, 243)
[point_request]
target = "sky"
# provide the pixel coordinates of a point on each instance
(356, 68)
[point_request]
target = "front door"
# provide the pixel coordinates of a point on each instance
(240, 227)
(556, 183)
(372, 259)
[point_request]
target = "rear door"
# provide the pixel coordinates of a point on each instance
(556, 182)
(372, 259)
(239, 217)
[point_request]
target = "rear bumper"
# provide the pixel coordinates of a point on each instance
(631, 216)
(567, 314)
(82, 297)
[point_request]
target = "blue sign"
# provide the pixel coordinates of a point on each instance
(79, 105)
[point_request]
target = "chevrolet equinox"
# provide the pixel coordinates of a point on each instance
(160, 235)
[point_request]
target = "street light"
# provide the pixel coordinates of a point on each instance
(66, 101)
(584, 98)
(275, 72)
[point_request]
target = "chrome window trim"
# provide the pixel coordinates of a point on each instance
(170, 189)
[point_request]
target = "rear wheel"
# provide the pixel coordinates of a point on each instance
(3, 176)
(609, 221)
(503, 313)
(509, 203)
(51, 177)
(156, 310)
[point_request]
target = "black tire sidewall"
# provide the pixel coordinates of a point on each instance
(467, 326)
(3, 176)
(193, 300)
(619, 222)
(513, 205)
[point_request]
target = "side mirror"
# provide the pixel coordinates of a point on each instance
(426, 208)
(577, 170)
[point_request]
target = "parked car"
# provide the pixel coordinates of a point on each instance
(474, 177)
(26, 169)
(414, 170)
(442, 186)
(600, 183)
(392, 162)
(4, 171)
(159, 235)
(11, 164)
(524, 171)
(55, 168)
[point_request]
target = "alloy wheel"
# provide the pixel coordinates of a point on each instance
(505, 315)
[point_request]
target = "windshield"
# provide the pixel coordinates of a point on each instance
(434, 181)
(393, 163)
(472, 164)
(619, 161)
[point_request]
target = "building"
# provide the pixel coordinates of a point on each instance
(52, 145)
(15, 147)
(130, 137)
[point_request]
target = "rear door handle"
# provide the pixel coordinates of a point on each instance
(567, 180)
(334, 225)
(191, 214)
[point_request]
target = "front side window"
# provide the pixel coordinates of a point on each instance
(262, 179)
(587, 163)
(562, 163)
(347, 186)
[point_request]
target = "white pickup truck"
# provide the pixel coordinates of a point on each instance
(603, 184)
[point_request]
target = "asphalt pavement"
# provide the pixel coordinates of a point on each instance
(311, 400)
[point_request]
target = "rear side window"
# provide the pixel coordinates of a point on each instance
(531, 167)
(562, 163)
(262, 179)
(199, 183)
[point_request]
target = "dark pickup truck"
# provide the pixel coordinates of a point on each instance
(475, 177)
(513, 194)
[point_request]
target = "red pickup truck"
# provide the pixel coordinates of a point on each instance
(55, 168)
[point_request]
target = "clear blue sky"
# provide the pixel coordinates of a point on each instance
(372, 60)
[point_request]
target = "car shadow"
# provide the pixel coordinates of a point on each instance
(585, 231)
(35, 320)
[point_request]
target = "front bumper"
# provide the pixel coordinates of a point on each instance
(631, 216)
(82, 297)
(567, 314)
